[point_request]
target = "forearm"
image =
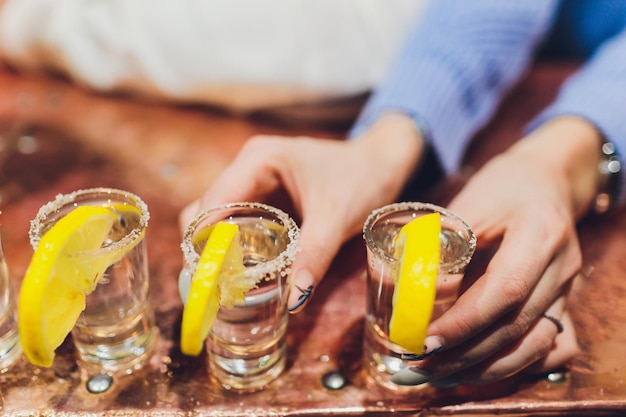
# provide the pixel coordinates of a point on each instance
(456, 66)
(598, 94)
(397, 145)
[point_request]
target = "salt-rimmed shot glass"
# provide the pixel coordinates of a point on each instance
(10, 348)
(382, 358)
(247, 347)
(116, 331)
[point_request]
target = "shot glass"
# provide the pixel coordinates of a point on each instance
(247, 346)
(382, 358)
(10, 348)
(116, 331)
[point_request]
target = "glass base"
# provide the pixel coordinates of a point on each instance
(125, 356)
(381, 363)
(10, 349)
(250, 374)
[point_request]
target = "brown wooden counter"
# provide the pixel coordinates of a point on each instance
(56, 138)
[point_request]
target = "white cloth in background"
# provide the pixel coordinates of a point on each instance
(242, 54)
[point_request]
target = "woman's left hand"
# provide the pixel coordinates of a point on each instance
(528, 203)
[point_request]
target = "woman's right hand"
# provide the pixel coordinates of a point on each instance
(333, 186)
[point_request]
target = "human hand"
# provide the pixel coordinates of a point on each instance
(333, 186)
(528, 202)
(2, 65)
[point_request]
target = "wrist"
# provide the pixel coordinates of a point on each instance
(571, 148)
(609, 183)
(397, 144)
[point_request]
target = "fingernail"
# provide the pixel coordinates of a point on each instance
(427, 353)
(447, 382)
(411, 376)
(433, 344)
(184, 284)
(301, 291)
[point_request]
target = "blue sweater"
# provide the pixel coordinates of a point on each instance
(464, 56)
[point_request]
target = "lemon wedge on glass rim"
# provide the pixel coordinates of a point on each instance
(216, 281)
(59, 277)
(417, 247)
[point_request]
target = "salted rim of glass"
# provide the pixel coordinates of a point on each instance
(283, 260)
(62, 200)
(447, 267)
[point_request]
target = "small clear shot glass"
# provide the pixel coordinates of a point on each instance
(116, 332)
(382, 358)
(247, 347)
(10, 348)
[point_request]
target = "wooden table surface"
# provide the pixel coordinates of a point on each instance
(56, 138)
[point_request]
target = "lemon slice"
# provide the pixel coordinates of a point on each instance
(221, 258)
(418, 249)
(52, 294)
(128, 223)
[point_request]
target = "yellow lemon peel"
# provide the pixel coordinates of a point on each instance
(214, 283)
(53, 291)
(417, 247)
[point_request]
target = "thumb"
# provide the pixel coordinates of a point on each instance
(187, 214)
(319, 243)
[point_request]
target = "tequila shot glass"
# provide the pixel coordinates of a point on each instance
(382, 358)
(10, 348)
(116, 331)
(247, 346)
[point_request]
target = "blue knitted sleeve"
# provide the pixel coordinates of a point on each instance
(456, 66)
(597, 92)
